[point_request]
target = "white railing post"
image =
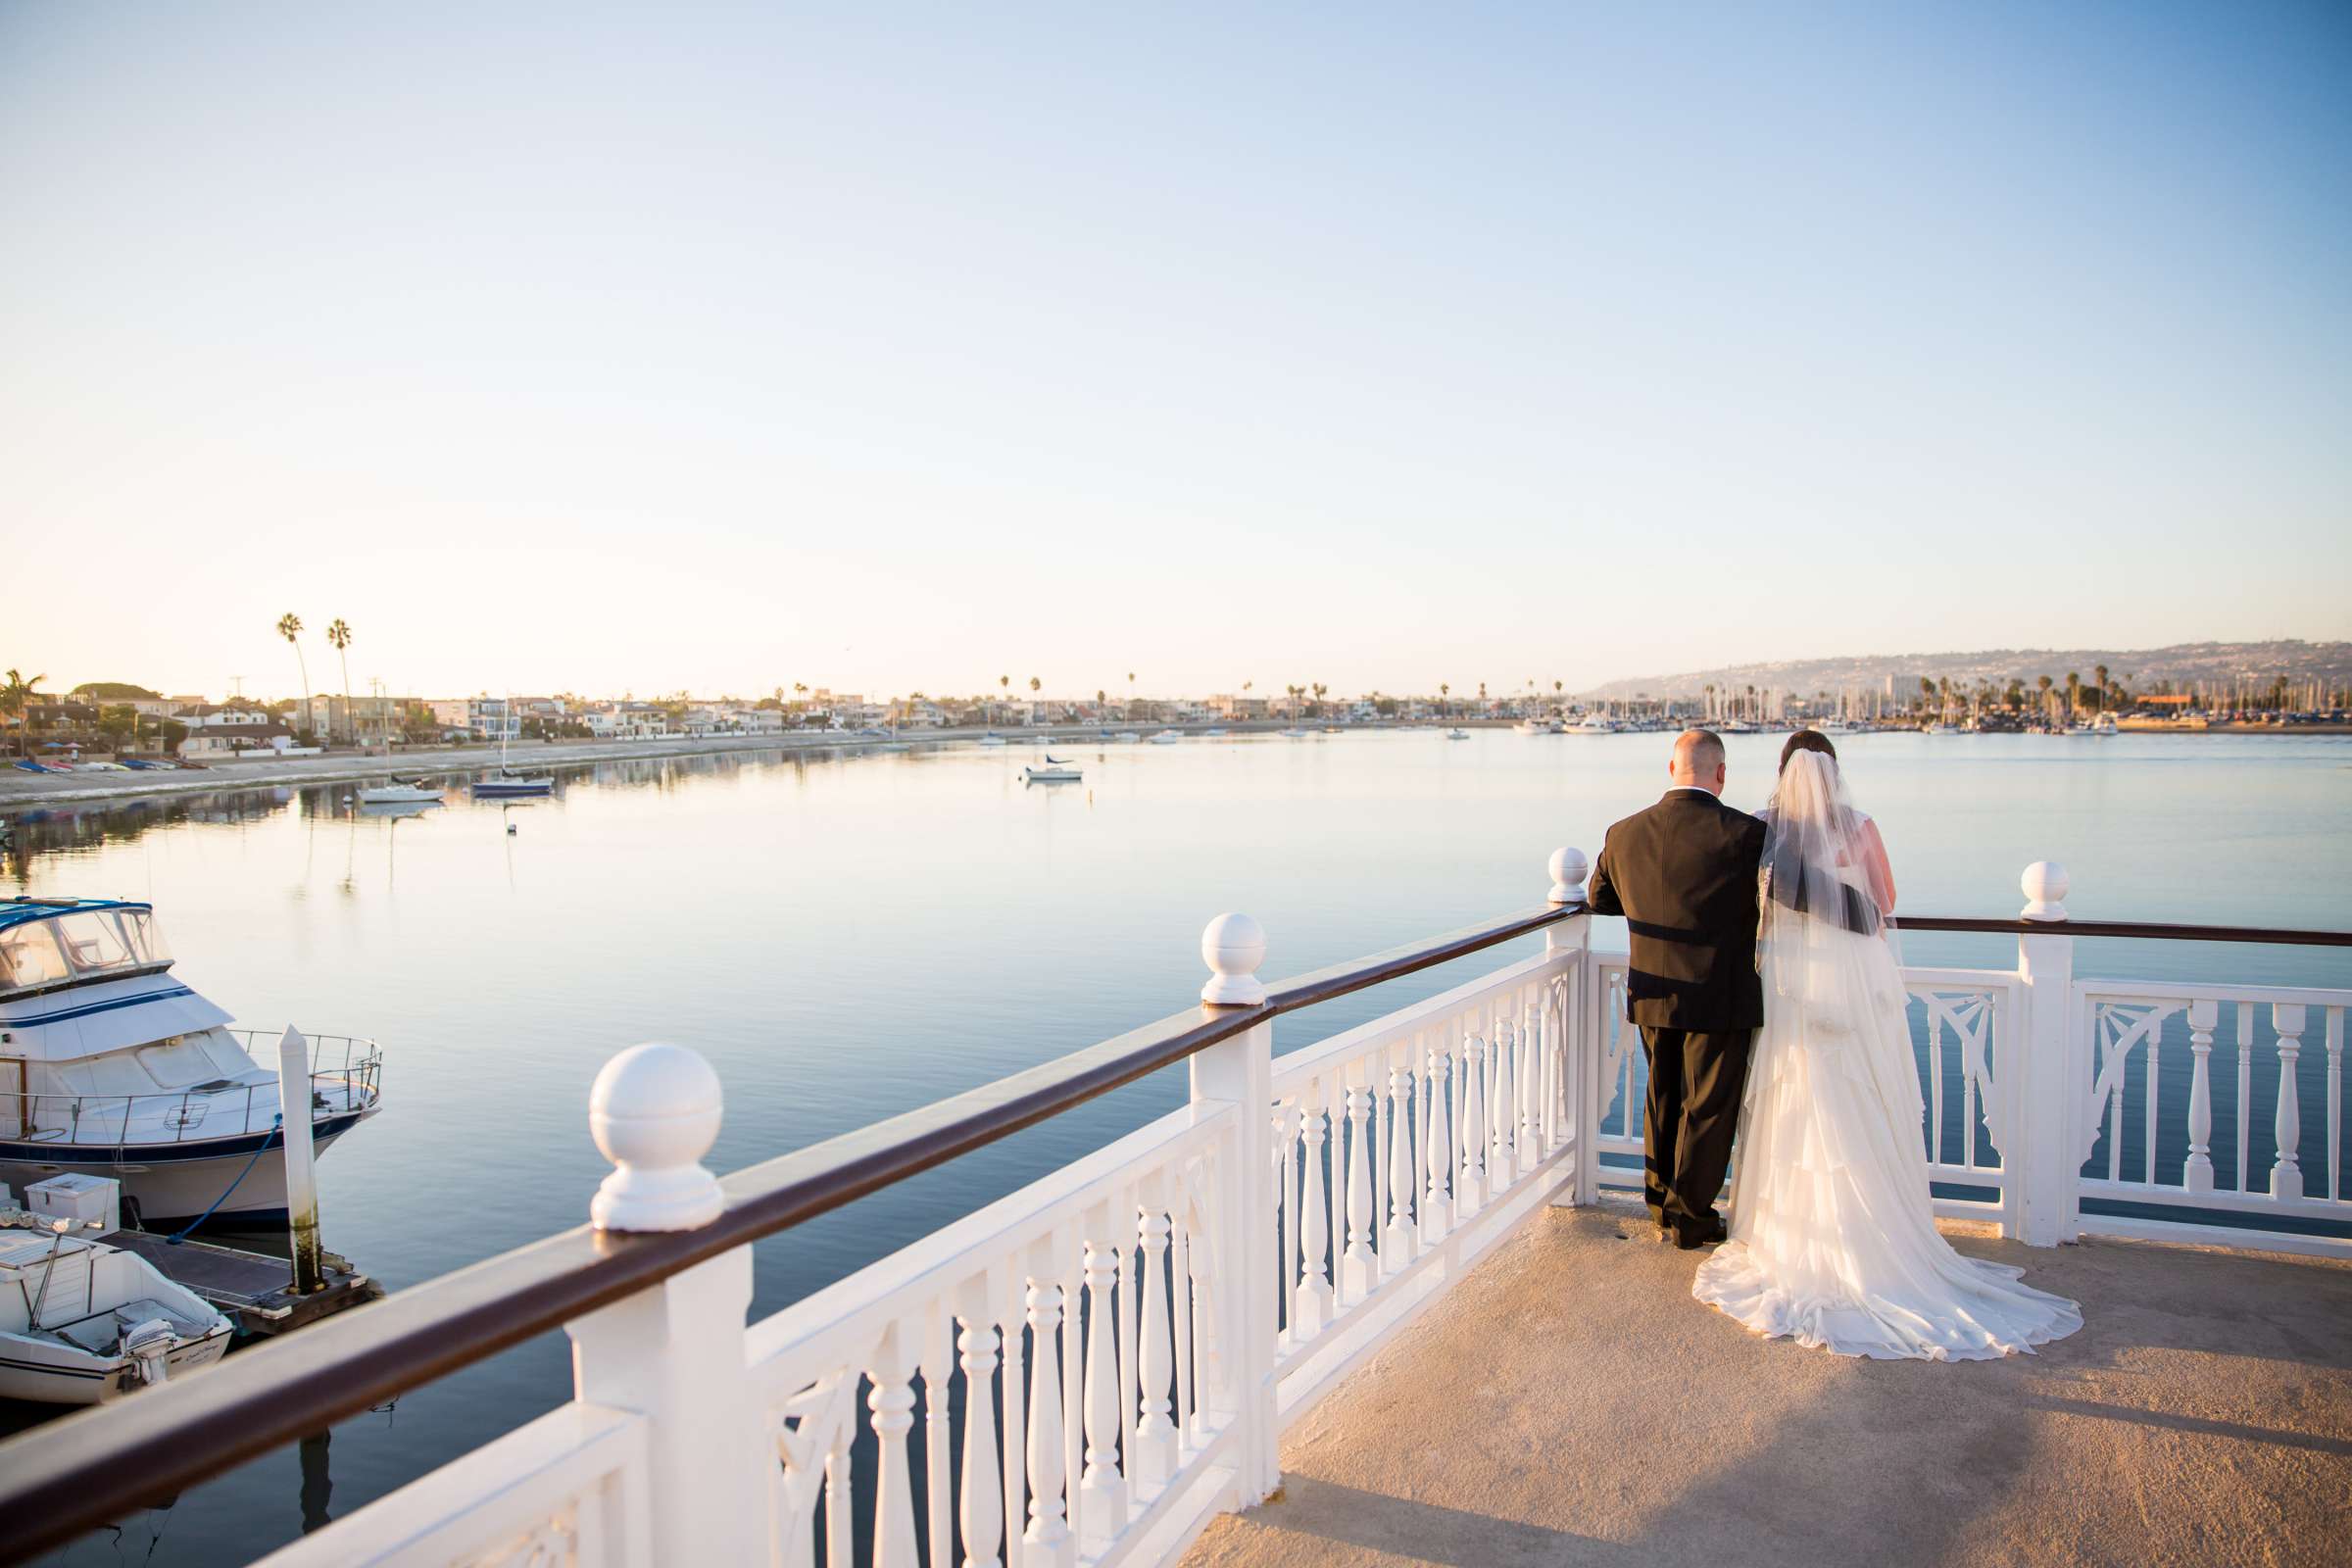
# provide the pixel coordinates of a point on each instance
(2052, 1053)
(1580, 1047)
(2196, 1175)
(674, 1354)
(2286, 1170)
(1240, 1072)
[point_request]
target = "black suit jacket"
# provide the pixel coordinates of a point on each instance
(1684, 875)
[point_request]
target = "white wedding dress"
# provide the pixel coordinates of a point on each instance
(1833, 1241)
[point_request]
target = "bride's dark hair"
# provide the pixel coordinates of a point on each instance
(1807, 740)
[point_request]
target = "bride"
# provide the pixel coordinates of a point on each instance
(1833, 1242)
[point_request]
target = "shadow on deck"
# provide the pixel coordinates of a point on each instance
(1569, 1402)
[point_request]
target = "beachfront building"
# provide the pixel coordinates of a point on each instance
(358, 720)
(626, 721)
(482, 718)
(1229, 706)
(215, 741)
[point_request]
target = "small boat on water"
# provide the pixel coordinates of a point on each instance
(114, 1067)
(991, 738)
(1294, 733)
(1536, 726)
(1126, 737)
(81, 1322)
(1215, 729)
(1165, 737)
(1457, 734)
(1055, 771)
(1595, 724)
(506, 784)
(417, 794)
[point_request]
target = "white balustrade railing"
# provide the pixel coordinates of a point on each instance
(1085, 1371)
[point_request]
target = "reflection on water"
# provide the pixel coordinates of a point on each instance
(846, 936)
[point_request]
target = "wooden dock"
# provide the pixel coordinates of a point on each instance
(254, 1289)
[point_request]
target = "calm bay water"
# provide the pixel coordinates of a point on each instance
(850, 936)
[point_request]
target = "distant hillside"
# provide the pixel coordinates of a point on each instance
(2183, 665)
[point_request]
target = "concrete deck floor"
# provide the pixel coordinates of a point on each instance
(1569, 1402)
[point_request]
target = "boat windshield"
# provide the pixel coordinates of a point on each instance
(89, 944)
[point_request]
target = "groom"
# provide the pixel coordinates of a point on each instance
(1684, 875)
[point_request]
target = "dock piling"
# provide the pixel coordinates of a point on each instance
(302, 1181)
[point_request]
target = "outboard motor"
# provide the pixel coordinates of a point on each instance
(149, 1345)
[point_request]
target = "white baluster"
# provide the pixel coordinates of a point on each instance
(1048, 1537)
(2286, 1171)
(1529, 1075)
(841, 1488)
(1397, 1246)
(1436, 1207)
(1102, 1491)
(1007, 1294)
(1310, 1309)
(1286, 1189)
(1361, 1267)
(1073, 1382)
(1470, 1193)
(1499, 1114)
(2335, 1103)
(891, 1406)
(983, 1512)
(937, 1485)
(1180, 1269)
(1154, 1450)
(2245, 1087)
(2196, 1175)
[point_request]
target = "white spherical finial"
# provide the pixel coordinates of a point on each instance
(1233, 946)
(2045, 884)
(654, 1112)
(1567, 876)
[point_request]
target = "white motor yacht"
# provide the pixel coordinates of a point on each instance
(82, 1322)
(1165, 737)
(111, 1066)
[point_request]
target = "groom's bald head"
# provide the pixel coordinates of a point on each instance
(1697, 762)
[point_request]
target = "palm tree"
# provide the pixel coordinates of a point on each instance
(338, 634)
(1131, 694)
(1101, 698)
(16, 696)
(1321, 691)
(289, 626)
(1709, 688)
(2100, 670)
(2074, 692)
(1444, 691)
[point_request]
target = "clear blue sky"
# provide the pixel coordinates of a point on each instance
(728, 346)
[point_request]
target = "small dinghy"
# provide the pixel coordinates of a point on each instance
(1055, 771)
(82, 1322)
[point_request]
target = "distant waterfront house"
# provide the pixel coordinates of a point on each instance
(220, 740)
(217, 715)
(358, 720)
(1228, 705)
